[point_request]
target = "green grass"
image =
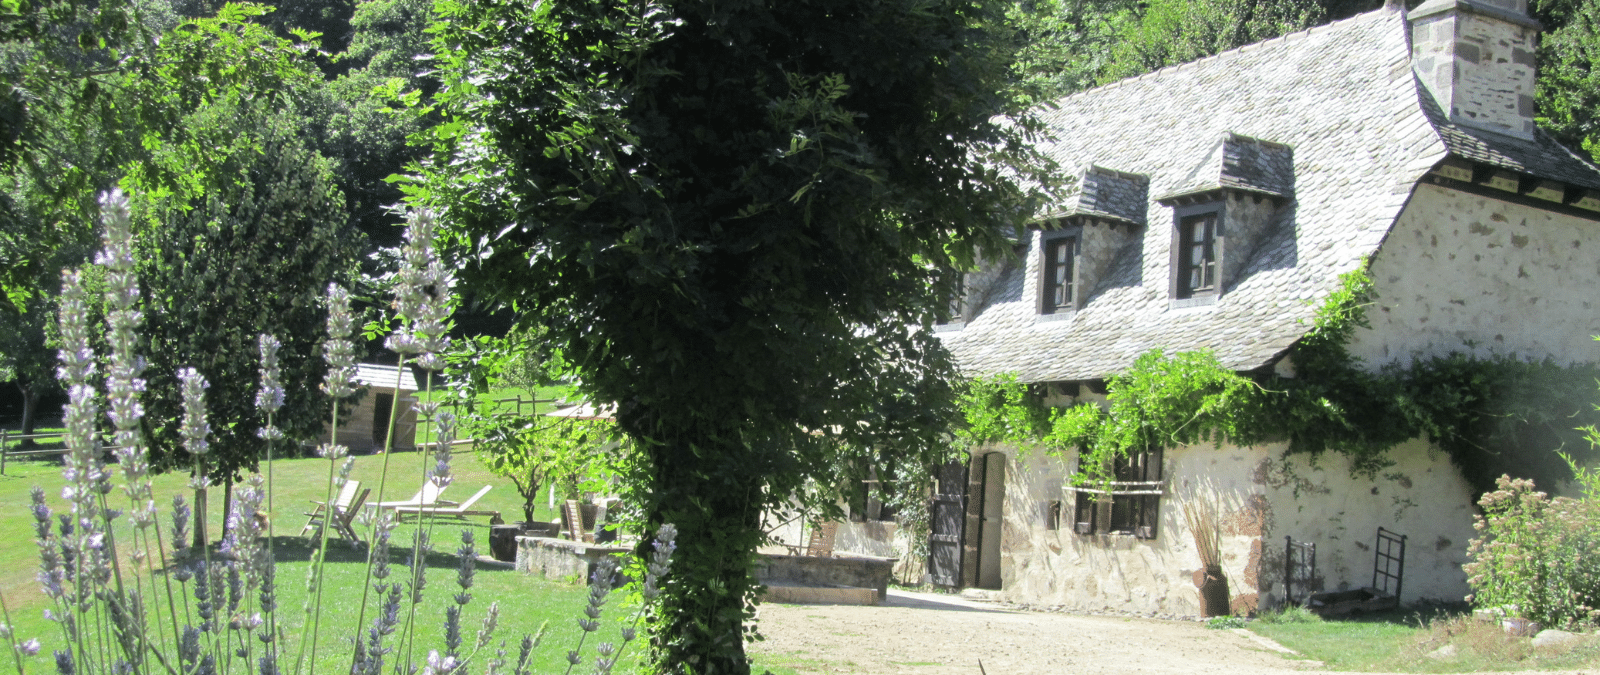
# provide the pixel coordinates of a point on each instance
(525, 601)
(1400, 641)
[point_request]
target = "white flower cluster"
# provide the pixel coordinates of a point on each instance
(123, 382)
(269, 398)
(195, 429)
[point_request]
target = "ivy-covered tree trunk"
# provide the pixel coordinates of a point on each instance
(715, 502)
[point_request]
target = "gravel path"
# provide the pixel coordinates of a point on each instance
(931, 634)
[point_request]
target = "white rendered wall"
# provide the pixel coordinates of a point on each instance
(1462, 272)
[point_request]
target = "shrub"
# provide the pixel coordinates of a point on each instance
(1538, 554)
(1289, 614)
(1225, 622)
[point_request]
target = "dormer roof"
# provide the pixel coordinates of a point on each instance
(1240, 163)
(1106, 195)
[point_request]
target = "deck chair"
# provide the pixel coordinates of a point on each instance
(427, 496)
(572, 515)
(342, 502)
(341, 517)
(820, 545)
(460, 513)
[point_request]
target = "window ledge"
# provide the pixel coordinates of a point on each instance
(954, 327)
(1059, 315)
(1206, 300)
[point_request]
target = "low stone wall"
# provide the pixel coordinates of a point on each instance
(563, 558)
(857, 571)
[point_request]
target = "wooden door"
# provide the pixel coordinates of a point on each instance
(947, 517)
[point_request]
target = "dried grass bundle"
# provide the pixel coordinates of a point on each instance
(1206, 526)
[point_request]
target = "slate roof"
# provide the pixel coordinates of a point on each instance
(1342, 96)
(1108, 195)
(1242, 163)
(383, 377)
(1542, 156)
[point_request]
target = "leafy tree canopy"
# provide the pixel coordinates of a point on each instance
(736, 219)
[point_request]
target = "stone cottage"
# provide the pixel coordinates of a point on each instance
(1217, 204)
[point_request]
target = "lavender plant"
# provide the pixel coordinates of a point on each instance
(219, 613)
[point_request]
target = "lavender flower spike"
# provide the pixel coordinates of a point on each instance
(339, 350)
(422, 294)
(195, 428)
(269, 398)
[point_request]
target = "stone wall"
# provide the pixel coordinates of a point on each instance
(1263, 497)
(1478, 67)
(1463, 272)
(1246, 219)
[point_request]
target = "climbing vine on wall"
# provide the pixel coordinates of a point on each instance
(1492, 415)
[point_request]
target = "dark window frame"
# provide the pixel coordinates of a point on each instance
(1123, 510)
(1184, 219)
(1070, 237)
(957, 307)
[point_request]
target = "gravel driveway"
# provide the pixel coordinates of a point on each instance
(919, 633)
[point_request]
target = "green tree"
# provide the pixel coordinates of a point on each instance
(737, 220)
(1569, 73)
(1170, 32)
(248, 252)
(25, 358)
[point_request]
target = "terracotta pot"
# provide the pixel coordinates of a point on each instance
(1214, 593)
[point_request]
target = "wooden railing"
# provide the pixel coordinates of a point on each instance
(8, 437)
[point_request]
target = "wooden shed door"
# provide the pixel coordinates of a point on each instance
(948, 520)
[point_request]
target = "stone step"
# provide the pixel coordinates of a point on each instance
(819, 595)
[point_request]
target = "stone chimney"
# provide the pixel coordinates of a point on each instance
(1476, 58)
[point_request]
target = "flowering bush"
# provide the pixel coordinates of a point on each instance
(1539, 554)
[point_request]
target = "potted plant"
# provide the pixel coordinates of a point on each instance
(1206, 527)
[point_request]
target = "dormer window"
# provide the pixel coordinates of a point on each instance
(956, 306)
(1060, 257)
(1080, 238)
(1197, 255)
(1223, 207)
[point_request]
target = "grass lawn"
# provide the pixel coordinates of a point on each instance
(526, 601)
(1401, 641)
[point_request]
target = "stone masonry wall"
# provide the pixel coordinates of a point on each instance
(1245, 219)
(1263, 497)
(1480, 69)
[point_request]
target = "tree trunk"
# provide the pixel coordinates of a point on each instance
(227, 503)
(200, 517)
(30, 401)
(715, 504)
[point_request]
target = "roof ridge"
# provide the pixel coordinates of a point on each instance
(1285, 38)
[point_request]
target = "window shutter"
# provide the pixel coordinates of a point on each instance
(1150, 505)
(1083, 519)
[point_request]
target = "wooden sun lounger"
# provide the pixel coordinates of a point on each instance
(462, 513)
(341, 517)
(427, 496)
(820, 545)
(346, 496)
